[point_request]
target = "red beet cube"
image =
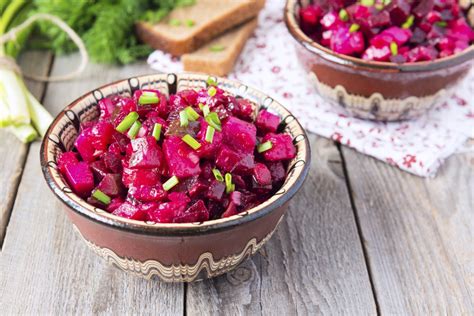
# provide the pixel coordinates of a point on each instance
(282, 147)
(101, 135)
(167, 212)
(145, 153)
(80, 178)
(243, 109)
(130, 211)
(161, 106)
(331, 20)
(380, 19)
(262, 175)
(309, 18)
(399, 11)
(229, 160)
(230, 211)
(85, 147)
(147, 193)
(106, 107)
(378, 54)
(138, 177)
(195, 213)
(216, 190)
(111, 185)
(181, 159)
(66, 158)
(277, 171)
(236, 198)
(267, 122)
(241, 135)
(208, 150)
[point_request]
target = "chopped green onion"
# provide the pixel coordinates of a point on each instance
(367, 3)
(188, 139)
(190, 23)
(205, 110)
(211, 82)
(157, 131)
(228, 183)
(217, 175)
(216, 48)
(343, 15)
(442, 23)
(127, 122)
(101, 196)
(386, 2)
(394, 48)
(354, 28)
(264, 147)
(210, 134)
(170, 183)
(213, 120)
(409, 22)
(183, 118)
(133, 131)
(212, 91)
(379, 6)
(148, 97)
(200, 105)
(175, 22)
(191, 113)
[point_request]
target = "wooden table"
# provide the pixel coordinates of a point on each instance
(361, 237)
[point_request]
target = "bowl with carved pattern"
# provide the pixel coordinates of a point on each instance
(375, 90)
(171, 252)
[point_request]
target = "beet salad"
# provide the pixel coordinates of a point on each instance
(192, 157)
(389, 30)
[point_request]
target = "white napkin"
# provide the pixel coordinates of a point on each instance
(269, 63)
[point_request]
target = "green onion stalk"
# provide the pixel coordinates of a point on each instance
(20, 112)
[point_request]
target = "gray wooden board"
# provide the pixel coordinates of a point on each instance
(418, 234)
(12, 151)
(44, 267)
(313, 264)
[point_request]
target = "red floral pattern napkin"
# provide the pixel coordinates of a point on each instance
(419, 146)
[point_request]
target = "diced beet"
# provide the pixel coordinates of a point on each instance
(66, 158)
(113, 162)
(282, 149)
(216, 190)
(127, 210)
(111, 185)
(148, 193)
(267, 122)
(261, 174)
(195, 213)
(149, 124)
(229, 160)
(80, 178)
(433, 17)
(377, 54)
(208, 150)
(230, 211)
(114, 204)
(146, 153)
(421, 53)
(236, 198)
(399, 11)
(277, 171)
(167, 212)
(331, 20)
(358, 12)
(197, 187)
(241, 135)
(138, 177)
(179, 197)
(243, 109)
(106, 107)
(99, 170)
(460, 30)
(239, 182)
(423, 8)
(309, 18)
(161, 107)
(380, 19)
(85, 147)
(181, 159)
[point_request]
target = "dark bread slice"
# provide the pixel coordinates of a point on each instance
(207, 60)
(210, 17)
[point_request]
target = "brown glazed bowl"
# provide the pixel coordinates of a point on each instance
(381, 91)
(171, 252)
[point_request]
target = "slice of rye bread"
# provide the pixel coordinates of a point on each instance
(218, 56)
(210, 18)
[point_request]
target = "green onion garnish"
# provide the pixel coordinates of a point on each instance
(183, 118)
(170, 183)
(127, 122)
(354, 28)
(133, 131)
(210, 134)
(379, 6)
(386, 2)
(188, 139)
(189, 23)
(212, 91)
(367, 3)
(213, 120)
(264, 146)
(217, 175)
(148, 97)
(216, 48)
(343, 15)
(394, 48)
(101, 196)
(200, 105)
(442, 23)
(409, 22)
(191, 113)
(205, 110)
(228, 183)
(175, 22)
(156, 131)
(211, 82)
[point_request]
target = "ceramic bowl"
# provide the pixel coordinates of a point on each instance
(380, 91)
(171, 252)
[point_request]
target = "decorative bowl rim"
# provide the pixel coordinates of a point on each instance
(345, 60)
(55, 182)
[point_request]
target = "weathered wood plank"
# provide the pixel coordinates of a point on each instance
(45, 267)
(418, 234)
(314, 263)
(12, 151)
